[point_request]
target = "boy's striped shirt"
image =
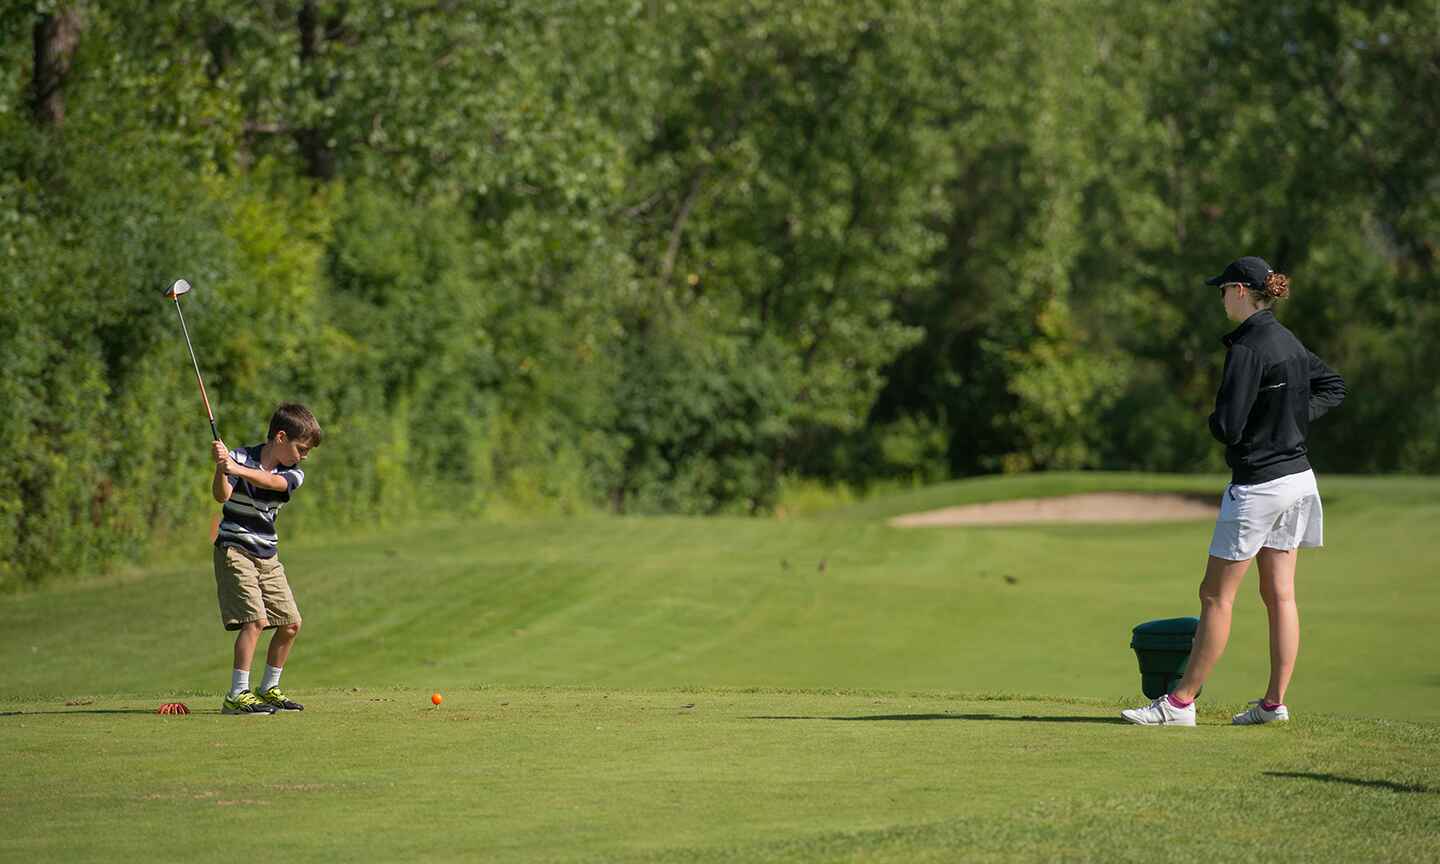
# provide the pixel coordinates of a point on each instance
(248, 520)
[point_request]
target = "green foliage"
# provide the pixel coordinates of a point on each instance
(655, 257)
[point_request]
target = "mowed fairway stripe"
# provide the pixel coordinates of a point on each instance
(554, 774)
(805, 603)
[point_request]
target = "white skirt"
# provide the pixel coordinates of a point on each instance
(1283, 513)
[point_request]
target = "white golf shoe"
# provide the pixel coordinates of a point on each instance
(1257, 714)
(1161, 713)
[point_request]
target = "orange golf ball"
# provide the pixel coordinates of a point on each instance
(436, 699)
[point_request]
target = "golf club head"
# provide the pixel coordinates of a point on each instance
(175, 290)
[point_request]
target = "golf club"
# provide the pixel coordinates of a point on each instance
(180, 286)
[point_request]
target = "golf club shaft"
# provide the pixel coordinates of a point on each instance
(214, 431)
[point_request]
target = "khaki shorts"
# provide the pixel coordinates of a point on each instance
(252, 589)
(1284, 513)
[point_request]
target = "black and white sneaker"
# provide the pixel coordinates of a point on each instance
(247, 703)
(277, 701)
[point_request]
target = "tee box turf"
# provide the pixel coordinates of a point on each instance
(1163, 649)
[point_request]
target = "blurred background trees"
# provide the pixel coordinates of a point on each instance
(657, 257)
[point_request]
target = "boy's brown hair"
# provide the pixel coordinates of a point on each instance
(296, 421)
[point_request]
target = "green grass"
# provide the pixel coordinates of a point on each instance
(568, 650)
(529, 775)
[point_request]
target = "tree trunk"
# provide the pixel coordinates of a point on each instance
(314, 143)
(57, 36)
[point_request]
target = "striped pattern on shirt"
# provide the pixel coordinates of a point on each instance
(248, 520)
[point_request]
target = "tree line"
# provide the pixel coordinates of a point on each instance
(655, 256)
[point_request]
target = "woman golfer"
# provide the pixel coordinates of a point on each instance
(1271, 390)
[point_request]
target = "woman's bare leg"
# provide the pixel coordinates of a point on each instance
(1217, 602)
(1277, 589)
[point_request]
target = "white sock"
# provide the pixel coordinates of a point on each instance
(271, 679)
(239, 680)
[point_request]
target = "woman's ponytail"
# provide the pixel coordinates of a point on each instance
(1277, 287)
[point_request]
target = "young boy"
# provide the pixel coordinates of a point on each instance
(254, 483)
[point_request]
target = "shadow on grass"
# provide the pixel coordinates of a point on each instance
(95, 711)
(1390, 785)
(1024, 718)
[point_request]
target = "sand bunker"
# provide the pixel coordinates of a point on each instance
(1095, 507)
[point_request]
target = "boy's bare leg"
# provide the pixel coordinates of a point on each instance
(1277, 589)
(1217, 602)
(245, 642)
(280, 644)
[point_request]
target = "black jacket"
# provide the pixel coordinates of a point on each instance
(1271, 389)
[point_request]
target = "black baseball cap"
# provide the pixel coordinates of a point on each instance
(1249, 271)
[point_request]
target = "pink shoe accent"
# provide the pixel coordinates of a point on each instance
(1271, 706)
(1176, 703)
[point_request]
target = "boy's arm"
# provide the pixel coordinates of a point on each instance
(225, 468)
(220, 484)
(261, 479)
